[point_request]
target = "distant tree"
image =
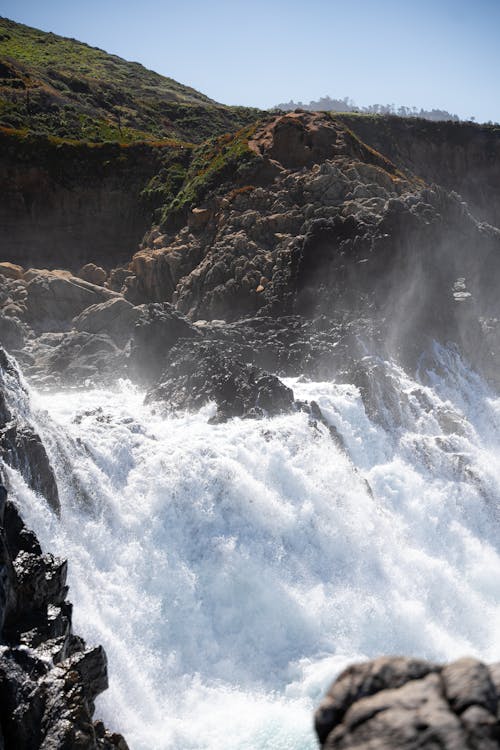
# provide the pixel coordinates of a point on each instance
(329, 104)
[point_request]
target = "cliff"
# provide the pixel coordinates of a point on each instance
(460, 156)
(66, 203)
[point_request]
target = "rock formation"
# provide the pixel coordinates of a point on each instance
(402, 703)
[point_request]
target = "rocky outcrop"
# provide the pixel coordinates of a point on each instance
(460, 156)
(405, 703)
(327, 233)
(49, 679)
(198, 372)
(337, 230)
(20, 446)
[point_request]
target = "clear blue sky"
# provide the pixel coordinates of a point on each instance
(441, 53)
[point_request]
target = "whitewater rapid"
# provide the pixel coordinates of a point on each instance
(230, 571)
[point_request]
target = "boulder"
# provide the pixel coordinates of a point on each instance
(93, 274)
(199, 372)
(401, 703)
(116, 317)
(82, 356)
(54, 300)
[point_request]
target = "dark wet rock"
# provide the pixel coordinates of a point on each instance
(157, 330)
(11, 333)
(22, 449)
(405, 703)
(197, 373)
(49, 679)
(20, 445)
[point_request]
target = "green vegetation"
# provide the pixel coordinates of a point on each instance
(212, 163)
(62, 87)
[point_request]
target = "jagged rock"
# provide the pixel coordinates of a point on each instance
(405, 703)
(48, 678)
(21, 447)
(339, 231)
(200, 372)
(116, 318)
(158, 328)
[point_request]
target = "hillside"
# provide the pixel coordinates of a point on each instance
(63, 87)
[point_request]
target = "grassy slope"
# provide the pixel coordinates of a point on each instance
(62, 87)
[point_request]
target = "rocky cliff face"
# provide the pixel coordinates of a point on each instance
(306, 221)
(459, 156)
(64, 204)
(321, 224)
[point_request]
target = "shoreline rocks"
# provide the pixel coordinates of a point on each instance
(49, 678)
(400, 703)
(199, 372)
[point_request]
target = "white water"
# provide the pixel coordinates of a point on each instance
(230, 571)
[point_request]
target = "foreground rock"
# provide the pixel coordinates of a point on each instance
(201, 372)
(402, 704)
(49, 679)
(116, 317)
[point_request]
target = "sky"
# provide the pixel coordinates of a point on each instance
(432, 54)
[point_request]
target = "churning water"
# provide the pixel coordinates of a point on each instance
(230, 571)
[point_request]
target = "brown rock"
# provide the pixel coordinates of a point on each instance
(54, 299)
(94, 274)
(198, 218)
(11, 270)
